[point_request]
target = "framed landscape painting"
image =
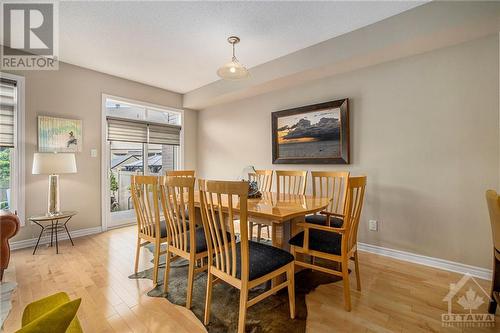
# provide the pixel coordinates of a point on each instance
(313, 134)
(59, 135)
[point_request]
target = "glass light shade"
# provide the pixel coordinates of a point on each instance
(233, 70)
(52, 163)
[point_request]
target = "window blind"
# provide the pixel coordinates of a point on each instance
(8, 104)
(143, 132)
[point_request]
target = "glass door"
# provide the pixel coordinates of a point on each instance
(125, 159)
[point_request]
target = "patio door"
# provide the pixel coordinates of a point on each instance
(139, 141)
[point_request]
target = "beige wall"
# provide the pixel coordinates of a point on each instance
(75, 92)
(424, 129)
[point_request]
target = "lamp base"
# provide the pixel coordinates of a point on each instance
(53, 207)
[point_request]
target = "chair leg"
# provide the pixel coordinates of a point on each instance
(259, 232)
(190, 283)
(156, 263)
(356, 267)
(167, 272)
(243, 307)
(290, 276)
(208, 298)
(137, 253)
(347, 291)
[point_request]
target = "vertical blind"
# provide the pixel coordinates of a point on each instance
(8, 105)
(143, 132)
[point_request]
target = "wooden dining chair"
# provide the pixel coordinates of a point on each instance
(334, 244)
(330, 184)
(183, 238)
(494, 209)
(243, 265)
(264, 179)
(180, 173)
(150, 228)
(291, 181)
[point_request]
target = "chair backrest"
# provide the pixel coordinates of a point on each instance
(180, 173)
(494, 209)
(291, 182)
(331, 185)
(355, 199)
(218, 202)
(144, 190)
(177, 195)
(264, 179)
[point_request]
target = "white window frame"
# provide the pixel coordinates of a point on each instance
(18, 153)
(105, 203)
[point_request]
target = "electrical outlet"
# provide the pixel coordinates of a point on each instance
(373, 225)
(93, 152)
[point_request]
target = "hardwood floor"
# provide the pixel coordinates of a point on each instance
(396, 296)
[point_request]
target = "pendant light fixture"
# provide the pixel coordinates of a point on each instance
(233, 70)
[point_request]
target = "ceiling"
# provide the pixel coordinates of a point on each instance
(179, 45)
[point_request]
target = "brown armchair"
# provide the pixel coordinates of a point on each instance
(494, 209)
(9, 226)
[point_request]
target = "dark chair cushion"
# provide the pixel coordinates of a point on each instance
(163, 229)
(319, 240)
(201, 243)
(320, 219)
(264, 259)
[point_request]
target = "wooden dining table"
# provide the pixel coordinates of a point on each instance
(280, 211)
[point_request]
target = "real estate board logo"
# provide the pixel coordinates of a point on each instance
(29, 35)
(466, 301)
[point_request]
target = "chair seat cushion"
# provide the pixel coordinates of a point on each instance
(163, 229)
(264, 259)
(319, 240)
(201, 243)
(320, 219)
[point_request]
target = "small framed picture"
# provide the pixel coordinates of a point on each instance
(59, 135)
(313, 134)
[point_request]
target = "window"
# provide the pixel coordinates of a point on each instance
(11, 149)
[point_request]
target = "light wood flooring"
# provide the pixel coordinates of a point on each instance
(396, 296)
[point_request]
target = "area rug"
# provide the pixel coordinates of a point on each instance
(270, 315)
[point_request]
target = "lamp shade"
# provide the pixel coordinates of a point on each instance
(233, 70)
(53, 163)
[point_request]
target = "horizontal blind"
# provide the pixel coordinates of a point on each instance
(164, 134)
(142, 132)
(8, 104)
(129, 131)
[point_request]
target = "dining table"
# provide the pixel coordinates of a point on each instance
(281, 211)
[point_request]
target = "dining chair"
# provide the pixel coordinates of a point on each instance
(264, 179)
(180, 173)
(330, 184)
(183, 238)
(150, 228)
(334, 244)
(494, 210)
(245, 264)
(291, 181)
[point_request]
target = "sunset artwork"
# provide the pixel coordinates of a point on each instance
(311, 135)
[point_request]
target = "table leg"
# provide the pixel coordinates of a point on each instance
(38, 240)
(51, 232)
(57, 243)
(67, 231)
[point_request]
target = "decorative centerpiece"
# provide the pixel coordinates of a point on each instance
(253, 186)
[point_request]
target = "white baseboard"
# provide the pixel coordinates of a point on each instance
(446, 265)
(60, 236)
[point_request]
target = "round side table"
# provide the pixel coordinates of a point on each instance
(58, 223)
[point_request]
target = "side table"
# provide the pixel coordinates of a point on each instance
(58, 223)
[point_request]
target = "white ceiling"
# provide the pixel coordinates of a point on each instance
(179, 45)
